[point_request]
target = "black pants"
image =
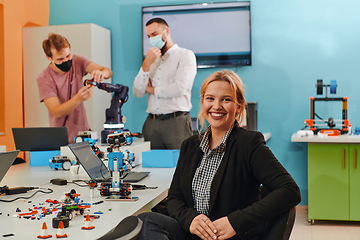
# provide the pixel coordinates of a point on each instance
(169, 133)
(157, 226)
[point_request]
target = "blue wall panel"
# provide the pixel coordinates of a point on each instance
(293, 44)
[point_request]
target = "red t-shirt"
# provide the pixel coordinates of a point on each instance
(66, 86)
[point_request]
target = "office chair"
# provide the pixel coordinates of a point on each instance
(280, 227)
(194, 126)
(128, 229)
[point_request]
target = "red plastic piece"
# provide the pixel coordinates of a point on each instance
(28, 214)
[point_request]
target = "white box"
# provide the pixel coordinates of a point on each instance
(2, 148)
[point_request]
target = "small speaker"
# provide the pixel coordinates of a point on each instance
(194, 126)
(251, 116)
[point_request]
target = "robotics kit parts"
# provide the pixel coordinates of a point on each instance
(89, 136)
(96, 150)
(114, 119)
(60, 162)
(106, 189)
(57, 220)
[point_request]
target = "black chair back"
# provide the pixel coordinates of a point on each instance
(280, 227)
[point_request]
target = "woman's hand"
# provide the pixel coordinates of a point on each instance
(224, 228)
(202, 226)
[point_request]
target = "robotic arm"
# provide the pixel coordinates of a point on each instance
(113, 115)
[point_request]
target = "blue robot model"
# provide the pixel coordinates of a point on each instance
(119, 163)
(60, 162)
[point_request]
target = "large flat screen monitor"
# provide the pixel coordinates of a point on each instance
(218, 33)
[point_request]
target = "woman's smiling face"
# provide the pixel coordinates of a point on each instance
(219, 106)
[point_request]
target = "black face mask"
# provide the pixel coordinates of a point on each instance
(65, 66)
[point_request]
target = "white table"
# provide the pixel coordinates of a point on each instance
(24, 175)
(327, 139)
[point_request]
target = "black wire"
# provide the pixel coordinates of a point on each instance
(125, 175)
(74, 182)
(50, 191)
(318, 116)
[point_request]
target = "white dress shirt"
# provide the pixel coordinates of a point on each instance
(172, 76)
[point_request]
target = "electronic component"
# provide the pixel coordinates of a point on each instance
(327, 126)
(60, 162)
(114, 119)
(88, 136)
(107, 189)
(18, 190)
(56, 221)
(58, 181)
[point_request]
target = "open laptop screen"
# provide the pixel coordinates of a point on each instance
(93, 166)
(40, 138)
(6, 160)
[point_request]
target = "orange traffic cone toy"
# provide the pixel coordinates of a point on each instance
(61, 233)
(44, 232)
(87, 224)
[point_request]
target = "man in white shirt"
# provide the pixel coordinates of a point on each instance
(167, 75)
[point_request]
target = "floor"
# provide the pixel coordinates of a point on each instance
(323, 230)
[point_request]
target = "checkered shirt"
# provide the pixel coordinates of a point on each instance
(205, 171)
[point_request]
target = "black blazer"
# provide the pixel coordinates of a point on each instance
(247, 163)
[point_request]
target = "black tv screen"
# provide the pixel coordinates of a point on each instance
(218, 33)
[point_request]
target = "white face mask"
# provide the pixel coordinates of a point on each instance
(157, 41)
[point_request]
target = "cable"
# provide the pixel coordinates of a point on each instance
(50, 191)
(125, 175)
(304, 127)
(318, 116)
(141, 187)
(74, 182)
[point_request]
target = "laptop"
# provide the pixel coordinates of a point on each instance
(40, 138)
(135, 176)
(6, 160)
(95, 167)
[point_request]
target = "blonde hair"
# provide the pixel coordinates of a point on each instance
(236, 85)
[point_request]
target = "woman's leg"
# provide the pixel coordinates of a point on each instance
(158, 226)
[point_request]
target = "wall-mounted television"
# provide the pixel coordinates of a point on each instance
(218, 33)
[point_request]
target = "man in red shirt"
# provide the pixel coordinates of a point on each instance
(61, 85)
